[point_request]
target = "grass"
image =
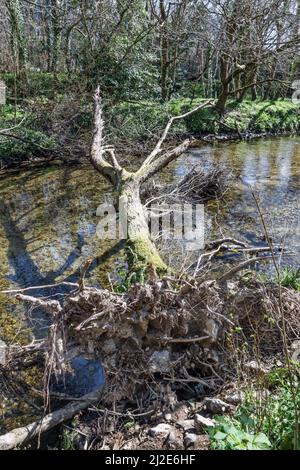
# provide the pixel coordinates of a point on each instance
(143, 119)
(290, 278)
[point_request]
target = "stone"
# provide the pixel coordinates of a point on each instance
(190, 439)
(172, 438)
(186, 424)
(159, 361)
(215, 405)
(161, 430)
(168, 417)
(201, 423)
(253, 366)
(235, 398)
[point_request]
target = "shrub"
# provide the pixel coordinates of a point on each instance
(262, 423)
(230, 435)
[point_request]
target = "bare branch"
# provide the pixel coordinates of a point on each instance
(98, 149)
(146, 171)
(158, 148)
(21, 435)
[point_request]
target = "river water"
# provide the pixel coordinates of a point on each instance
(48, 217)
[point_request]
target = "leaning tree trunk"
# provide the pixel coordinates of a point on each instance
(142, 251)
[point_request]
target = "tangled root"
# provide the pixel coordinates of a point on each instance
(169, 332)
(197, 187)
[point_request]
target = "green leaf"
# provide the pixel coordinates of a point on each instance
(220, 436)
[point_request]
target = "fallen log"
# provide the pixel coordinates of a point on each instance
(23, 435)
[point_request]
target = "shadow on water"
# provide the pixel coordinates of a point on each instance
(55, 250)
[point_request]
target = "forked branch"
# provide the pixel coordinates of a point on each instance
(110, 171)
(158, 147)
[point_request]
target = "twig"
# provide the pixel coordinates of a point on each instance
(47, 286)
(188, 340)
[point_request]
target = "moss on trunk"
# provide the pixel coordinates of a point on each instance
(142, 255)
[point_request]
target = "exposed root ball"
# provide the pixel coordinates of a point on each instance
(151, 330)
(170, 332)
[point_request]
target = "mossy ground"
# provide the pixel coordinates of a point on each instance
(281, 116)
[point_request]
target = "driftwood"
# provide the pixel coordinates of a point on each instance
(21, 436)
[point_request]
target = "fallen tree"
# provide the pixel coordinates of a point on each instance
(127, 185)
(167, 332)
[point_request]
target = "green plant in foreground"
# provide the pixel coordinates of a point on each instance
(260, 423)
(230, 435)
(290, 278)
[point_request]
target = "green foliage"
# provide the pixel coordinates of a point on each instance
(22, 141)
(67, 439)
(230, 435)
(42, 85)
(290, 278)
(129, 279)
(254, 116)
(266, 421)
(28, 143)
(142, 120)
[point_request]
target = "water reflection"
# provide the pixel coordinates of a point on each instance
(271, 168)
(48, 217)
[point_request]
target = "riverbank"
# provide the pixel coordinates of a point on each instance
(42, 131)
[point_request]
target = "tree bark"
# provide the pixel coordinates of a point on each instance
(18, 41)
(142, 251)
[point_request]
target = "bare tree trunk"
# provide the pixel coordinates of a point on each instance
(223, 96)
(142, 251)
(18, 38)
(128, 184)
(250, 78)
(56, 27)
(164, 68)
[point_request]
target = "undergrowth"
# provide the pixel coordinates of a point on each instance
(262, 422)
